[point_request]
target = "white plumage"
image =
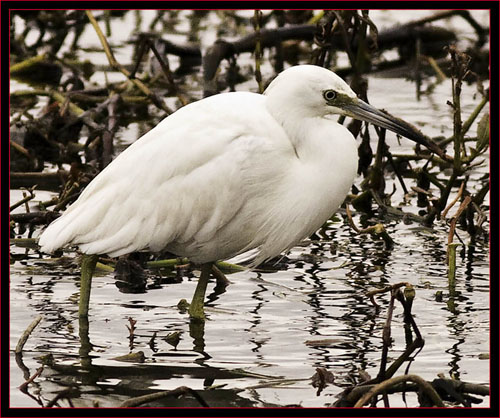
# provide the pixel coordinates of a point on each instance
(226, 174)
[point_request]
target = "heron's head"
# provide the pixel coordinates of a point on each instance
(312, 91)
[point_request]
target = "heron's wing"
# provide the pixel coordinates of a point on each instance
(187, 177)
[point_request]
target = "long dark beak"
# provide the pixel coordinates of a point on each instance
(358, 109)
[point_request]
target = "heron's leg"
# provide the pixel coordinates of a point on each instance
(85, 345)
(220, 277)
(88, 266)
(196, 310)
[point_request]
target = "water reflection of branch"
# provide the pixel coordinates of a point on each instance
(24, 387)
(180, 391)
(435, 391)
(64, 394)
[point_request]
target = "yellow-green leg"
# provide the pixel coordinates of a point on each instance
(220, 277)
(88, 266)
(196, 310)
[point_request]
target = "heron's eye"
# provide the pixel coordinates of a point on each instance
(329, 94)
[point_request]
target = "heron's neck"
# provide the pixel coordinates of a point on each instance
(294, 122)
(313, 137)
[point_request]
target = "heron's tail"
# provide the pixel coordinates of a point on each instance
(55, 236)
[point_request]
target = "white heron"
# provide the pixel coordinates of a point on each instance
(226, 174)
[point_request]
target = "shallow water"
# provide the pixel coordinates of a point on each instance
(282, 325)
(269, 331)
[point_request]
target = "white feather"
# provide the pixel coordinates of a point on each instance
(221, 176)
